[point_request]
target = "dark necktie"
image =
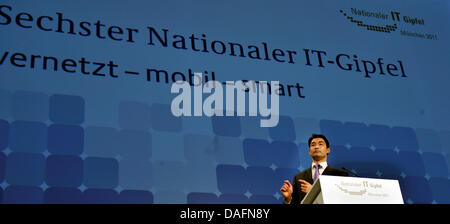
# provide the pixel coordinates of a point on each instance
(316, 173)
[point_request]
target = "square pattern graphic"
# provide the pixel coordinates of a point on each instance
(49, 154)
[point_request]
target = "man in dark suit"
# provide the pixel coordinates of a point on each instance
(319, 147)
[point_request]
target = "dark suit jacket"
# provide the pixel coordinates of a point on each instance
(297, 194)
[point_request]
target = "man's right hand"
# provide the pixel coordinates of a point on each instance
(286, 190)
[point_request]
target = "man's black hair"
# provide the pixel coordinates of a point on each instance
(313, 136)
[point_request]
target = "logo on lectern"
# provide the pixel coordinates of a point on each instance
(362, 188)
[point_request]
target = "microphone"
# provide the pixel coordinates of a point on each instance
(350, 172)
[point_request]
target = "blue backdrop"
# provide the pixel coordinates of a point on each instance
(82, 120)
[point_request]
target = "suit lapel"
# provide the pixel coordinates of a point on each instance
(309, 176)
(327, 170)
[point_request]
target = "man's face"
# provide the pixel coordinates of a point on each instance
(318, 149)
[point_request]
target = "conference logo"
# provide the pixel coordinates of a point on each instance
(387, 22)
(213, 104)
(360, 188)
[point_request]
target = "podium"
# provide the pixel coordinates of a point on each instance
(353, 190)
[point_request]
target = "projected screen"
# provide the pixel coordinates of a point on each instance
(93, 110)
